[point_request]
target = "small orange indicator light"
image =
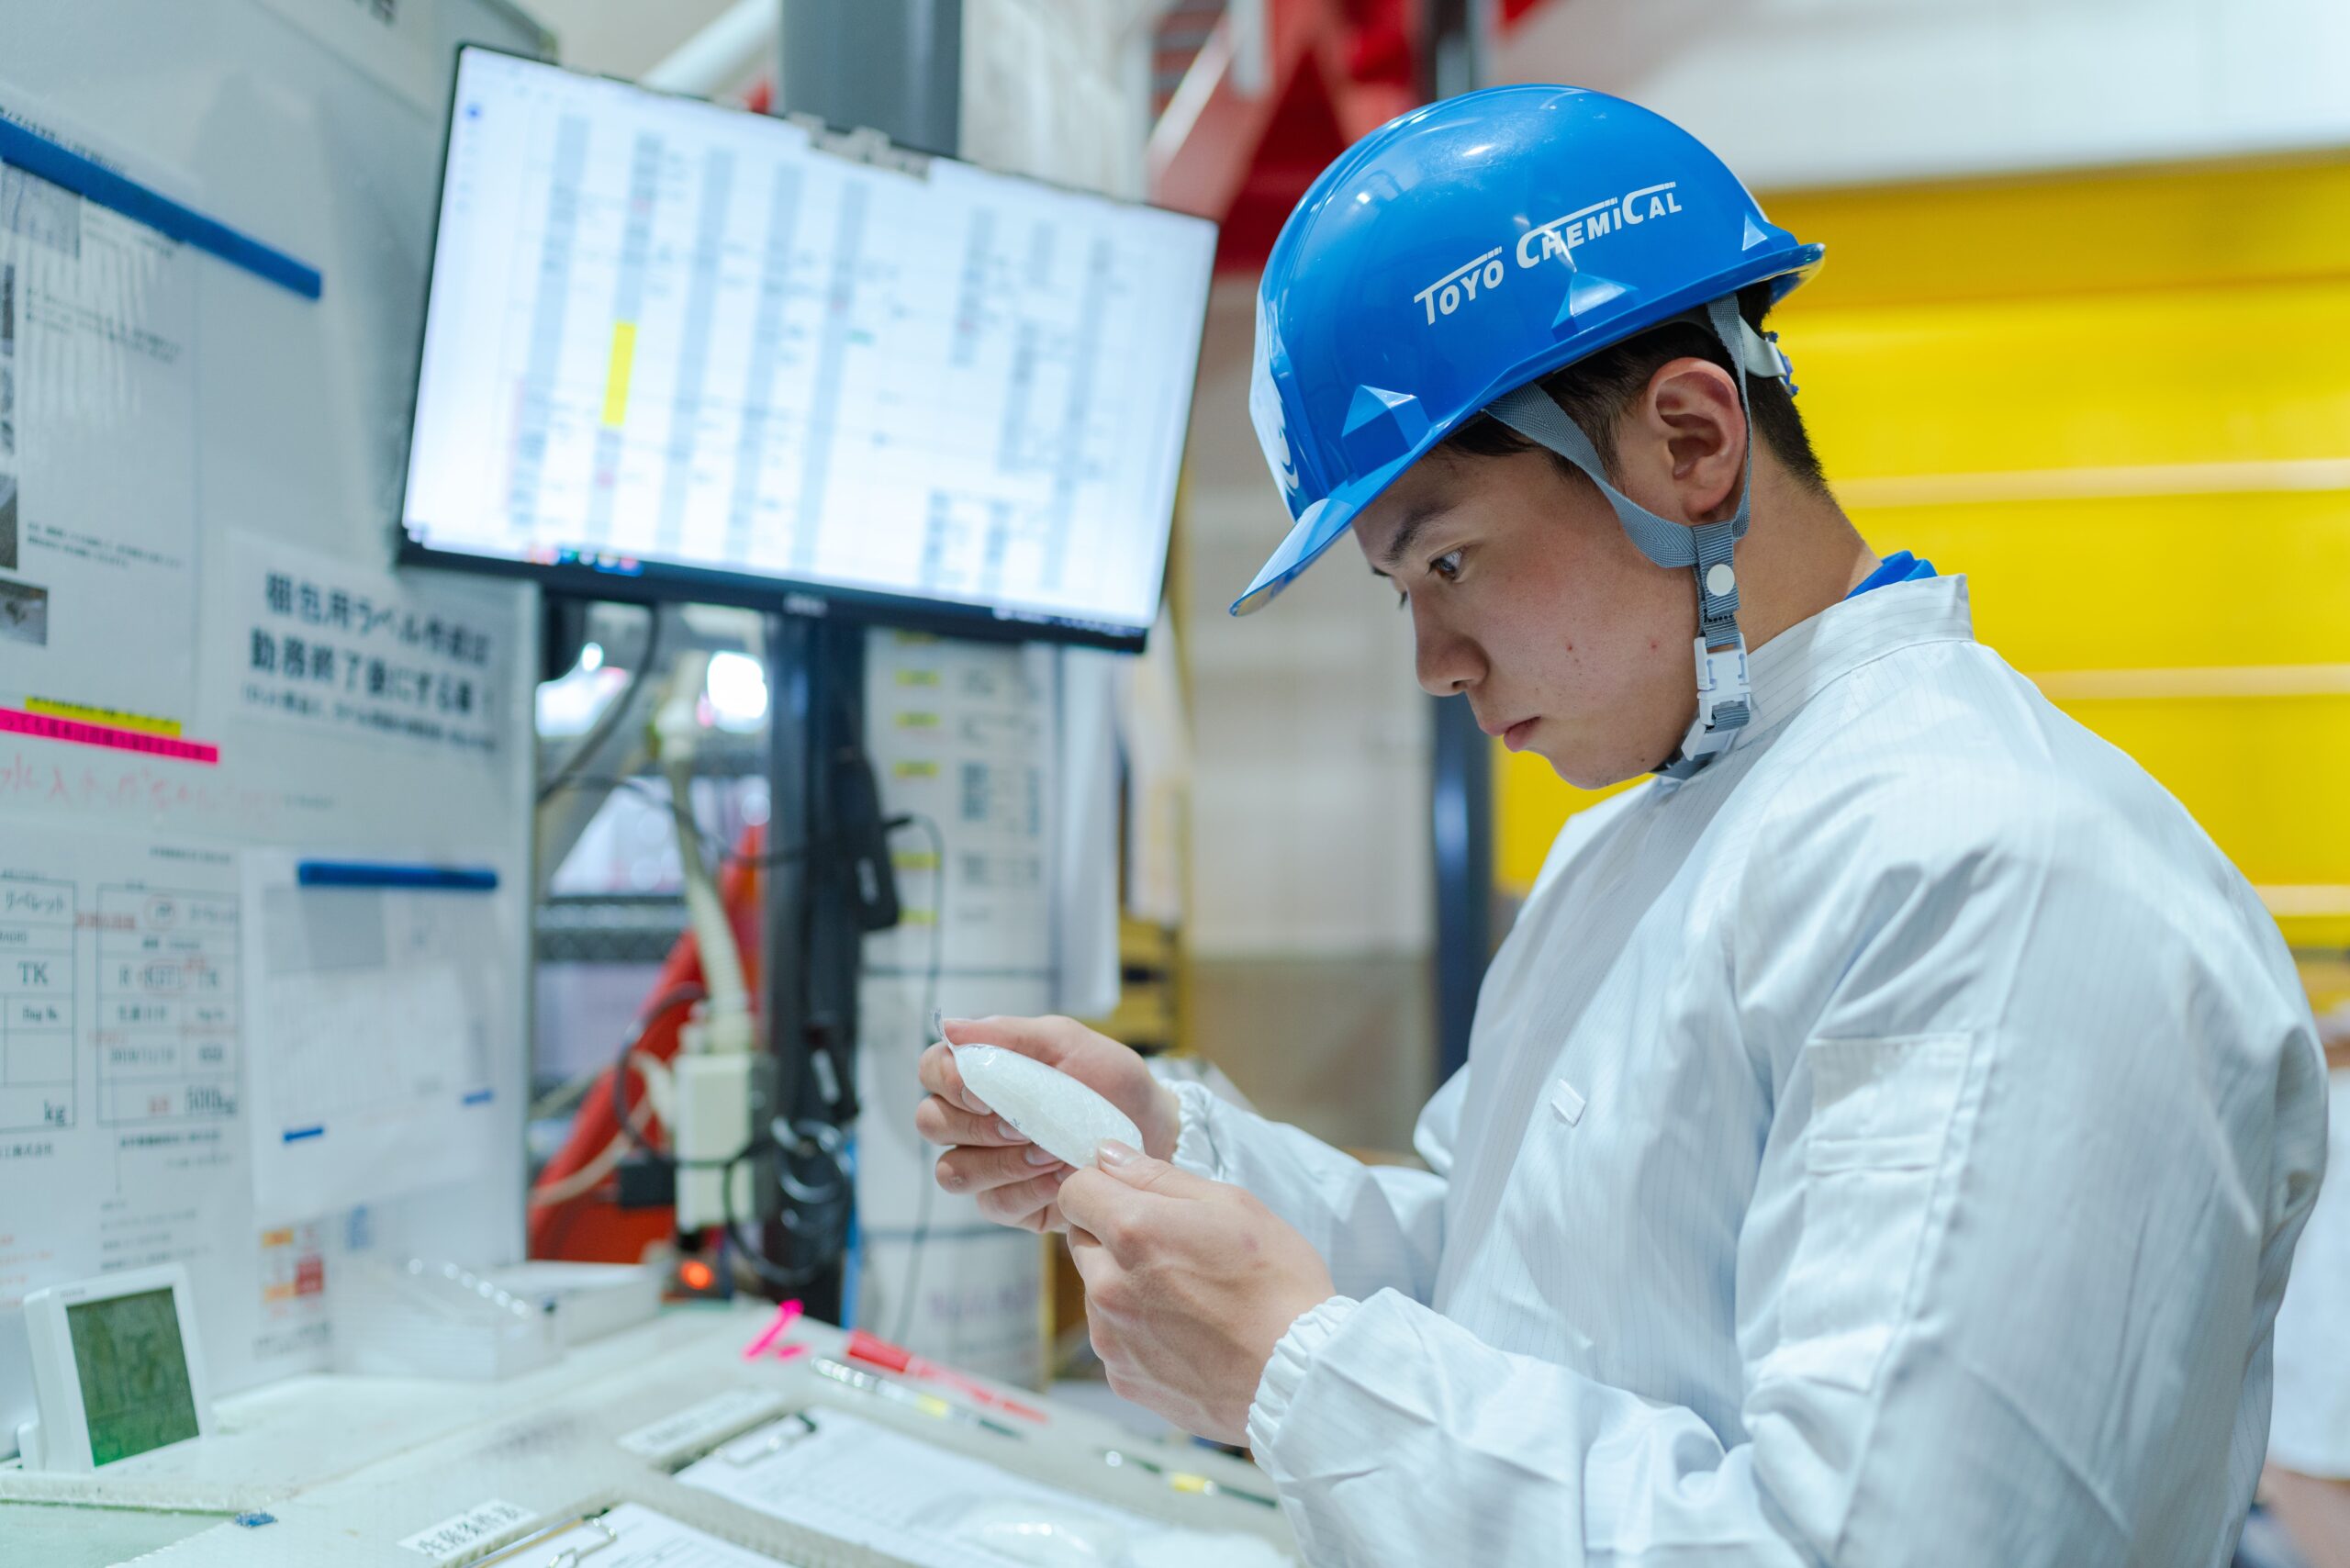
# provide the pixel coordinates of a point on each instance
(696, 1274)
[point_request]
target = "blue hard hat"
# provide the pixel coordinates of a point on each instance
(1464, 250)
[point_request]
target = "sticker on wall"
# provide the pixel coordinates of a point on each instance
(321, 644)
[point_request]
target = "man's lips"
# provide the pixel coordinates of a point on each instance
(1512, 735)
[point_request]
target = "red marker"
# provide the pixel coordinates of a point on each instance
(878, 1352)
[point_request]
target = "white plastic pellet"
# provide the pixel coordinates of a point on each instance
(1050, 1109)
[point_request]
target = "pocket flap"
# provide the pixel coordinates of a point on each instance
(1883, 1104)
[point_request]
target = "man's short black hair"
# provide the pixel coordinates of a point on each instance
(1596, 390)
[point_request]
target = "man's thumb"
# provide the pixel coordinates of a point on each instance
(1140, 1171)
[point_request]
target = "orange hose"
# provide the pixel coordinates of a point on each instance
(590, 1228)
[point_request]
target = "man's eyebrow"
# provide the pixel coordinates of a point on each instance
(1415, 522)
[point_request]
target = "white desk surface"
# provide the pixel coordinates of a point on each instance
(350, 1467)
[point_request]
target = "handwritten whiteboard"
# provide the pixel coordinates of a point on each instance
(253, 440)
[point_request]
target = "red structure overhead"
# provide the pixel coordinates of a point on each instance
(1243, 152)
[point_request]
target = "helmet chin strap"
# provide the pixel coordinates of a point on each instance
(1725, 701)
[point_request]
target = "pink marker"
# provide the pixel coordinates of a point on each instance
(785, 1316)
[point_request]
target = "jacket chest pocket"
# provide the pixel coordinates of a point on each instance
(1872, 1153)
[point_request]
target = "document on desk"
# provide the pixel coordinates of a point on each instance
(633, 1536)
(851, 1479)
(369, 1036)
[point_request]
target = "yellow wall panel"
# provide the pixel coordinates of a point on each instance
(2235, 223)
(2138, 582)
(2264, 778)
(2258, 774)
(2134, 379)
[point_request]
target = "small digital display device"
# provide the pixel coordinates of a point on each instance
(678, 351)
(116, 1369)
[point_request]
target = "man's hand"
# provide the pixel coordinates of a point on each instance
(1189, 1285)
(1015, 1181)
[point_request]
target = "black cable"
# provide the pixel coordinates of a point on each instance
(749, 1249)
(775, 1275)
(611, 718)
(669, 1002)
(929, 1011)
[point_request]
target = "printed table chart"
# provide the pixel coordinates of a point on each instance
(167, 1005)
(36, 1004)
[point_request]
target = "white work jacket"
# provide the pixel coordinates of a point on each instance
(2311, 1429)
(1886, 1147)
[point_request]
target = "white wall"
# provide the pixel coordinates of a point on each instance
(1059, 89)
(1825, 92)
(622, 38)
(1310, 806)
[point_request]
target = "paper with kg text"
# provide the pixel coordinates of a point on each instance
(122, 1017)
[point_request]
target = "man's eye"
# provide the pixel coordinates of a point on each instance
(1447, 565)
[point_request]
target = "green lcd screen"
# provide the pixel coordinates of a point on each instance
(133, 1369)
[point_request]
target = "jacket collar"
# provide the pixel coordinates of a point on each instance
(1807, 658)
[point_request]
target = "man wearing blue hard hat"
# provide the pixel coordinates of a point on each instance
(1885, 1132)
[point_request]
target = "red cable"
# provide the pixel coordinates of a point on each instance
(591, 1227)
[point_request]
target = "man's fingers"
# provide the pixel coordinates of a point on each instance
(1128, 1197)
(1105, 1207)
(969, 1170)
(949, 1126)
(1047, 1039)
(1023, 1203)
(937, 1074)
(1144, 1174)
(1092, 1260)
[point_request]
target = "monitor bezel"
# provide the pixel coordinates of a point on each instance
(657, 582)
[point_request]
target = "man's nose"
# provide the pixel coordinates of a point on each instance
(1446, 663)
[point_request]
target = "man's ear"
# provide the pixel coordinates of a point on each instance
(1692, 430)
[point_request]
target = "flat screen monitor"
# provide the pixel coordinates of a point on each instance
(678, 351)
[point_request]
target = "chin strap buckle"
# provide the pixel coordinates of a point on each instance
(1724, 702)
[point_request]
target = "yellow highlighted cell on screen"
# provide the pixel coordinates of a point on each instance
(113, 718)
(616, 384)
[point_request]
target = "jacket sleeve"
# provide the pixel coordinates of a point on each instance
(1377, 1226)
(2041, 1148)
